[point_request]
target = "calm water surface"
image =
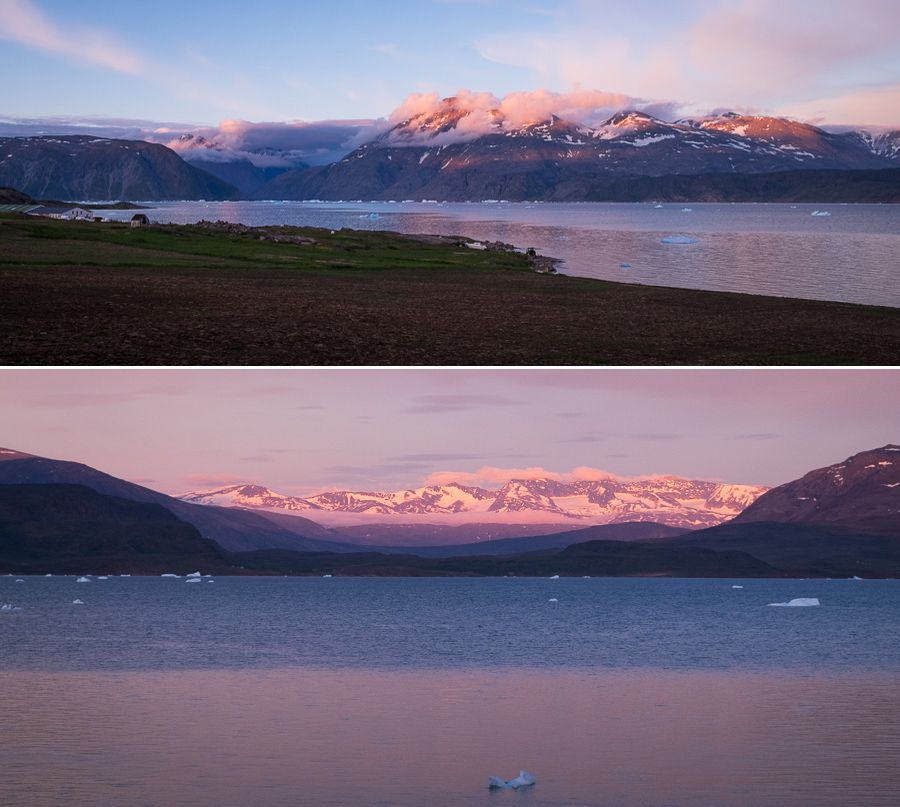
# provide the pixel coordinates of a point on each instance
(409, 692)
(852, 255)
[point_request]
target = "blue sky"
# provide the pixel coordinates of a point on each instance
(302, 430)
(201, 62)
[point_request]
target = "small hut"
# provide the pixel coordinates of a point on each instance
(139, 220)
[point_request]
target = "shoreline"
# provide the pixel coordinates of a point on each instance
(235, 295)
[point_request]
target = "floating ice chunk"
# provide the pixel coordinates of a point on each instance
(193, 580)
(820, 213)
(326, 575)
(679, 239)
(103, 577)
(657, 207)
(855, 578)
(737, 586)
(687, 210)
(524, 779)
(77, 602)
(19, 580)
(9, 607)
(83, 580)
(169, 574)
(210, 581)
(555, 577)
(553, 599)
(194, 574)
(799, 602)
(48, 575)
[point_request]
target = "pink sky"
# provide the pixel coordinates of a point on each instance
(303, 430)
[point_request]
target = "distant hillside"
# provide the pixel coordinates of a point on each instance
(79, 167)
(839, 520)
(595, 558)
(230, 528)
(71, 529)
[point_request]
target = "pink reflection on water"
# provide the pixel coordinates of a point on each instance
(340, 738)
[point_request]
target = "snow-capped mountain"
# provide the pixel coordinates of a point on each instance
(457, 154)
(666, 500)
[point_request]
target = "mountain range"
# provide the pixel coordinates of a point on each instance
(439, 156)
(64, 516)
(675, 502)
(453, 155)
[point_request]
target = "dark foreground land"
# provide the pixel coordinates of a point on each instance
(92, 293)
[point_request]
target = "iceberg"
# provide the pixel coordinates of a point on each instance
(9, 607)
(169, 574)
(77, 602)
(524, 779)
(737, 586)
(194, 574)
(555, 577)
(193, 580)
(799, 602)
(83, 580)
(19, 580)
(820, 213)
(687, 210)
(855, 578)
(103, 577)
(679, 239)
(553, 599)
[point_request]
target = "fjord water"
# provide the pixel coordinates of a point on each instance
(851, 255)
(272, 691)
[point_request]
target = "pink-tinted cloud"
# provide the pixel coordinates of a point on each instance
(486, 112)
(762, 53)
(491, 475)
(23, 22)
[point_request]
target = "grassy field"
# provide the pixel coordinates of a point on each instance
(73, 293)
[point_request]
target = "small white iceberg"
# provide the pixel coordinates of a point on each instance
(83, 580)
(799, 602)
(855, 578)
(9, 607)
(77, 602)
(679, 239)
(687, 210)
(820, 213)
(524, 779)
(555, 577)
(553, 599)
(169, 574)
(194, 574)
(19, 580)
(103, 577)
(737, 586)
(193, 580)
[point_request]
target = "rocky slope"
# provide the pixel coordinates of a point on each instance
(861, 493)
(79, 167)
(683, 503)
(445, 156)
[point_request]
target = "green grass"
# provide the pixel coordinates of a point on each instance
(34, 242)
